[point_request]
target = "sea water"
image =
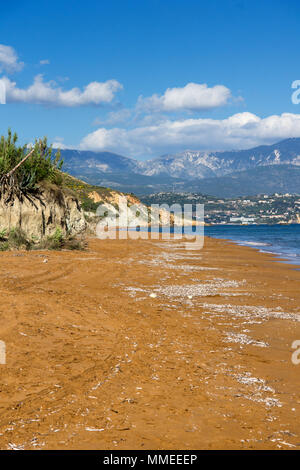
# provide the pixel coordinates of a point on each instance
(282, 240)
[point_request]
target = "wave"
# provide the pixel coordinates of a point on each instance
(281, 241)
(253, 243)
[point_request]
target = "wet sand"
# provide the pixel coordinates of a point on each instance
(139, 344)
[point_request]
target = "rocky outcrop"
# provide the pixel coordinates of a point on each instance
(126, 210)
(38, 218)
(112, 197)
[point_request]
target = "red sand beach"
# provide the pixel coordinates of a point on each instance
(138, 344)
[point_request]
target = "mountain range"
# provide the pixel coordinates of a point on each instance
(264, 169)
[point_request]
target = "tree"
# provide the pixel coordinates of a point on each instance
(22, 169)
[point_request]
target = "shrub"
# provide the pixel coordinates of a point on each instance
(16, 239)
(53, 242)
(40, 166)
(3, 234)
(58, 241)
(89, 206)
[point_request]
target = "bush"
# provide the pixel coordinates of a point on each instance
(42, 165)
(3, 234)
(53, 242)
(16, 239)
(89, 206)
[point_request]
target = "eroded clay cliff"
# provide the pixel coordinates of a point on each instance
(40, 215)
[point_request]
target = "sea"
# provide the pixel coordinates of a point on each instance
(281, 240)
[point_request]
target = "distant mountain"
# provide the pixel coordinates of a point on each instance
(267, 168)
(261, 180)
(113, 170)
(82, 161)
(191, 164)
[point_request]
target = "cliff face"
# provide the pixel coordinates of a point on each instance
(51, 209)
(146, 215)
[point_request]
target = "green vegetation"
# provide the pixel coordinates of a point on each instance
(29, 173)
(57, 241)
(41, 165)
(81, 190)
(16, 239)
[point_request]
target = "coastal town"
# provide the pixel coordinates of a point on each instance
(260, 209)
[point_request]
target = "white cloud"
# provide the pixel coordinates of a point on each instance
(192, 97)
(48, 93)
(58, 143)
(44, 62)
(114, 117)
(242, 130)
(9, 60)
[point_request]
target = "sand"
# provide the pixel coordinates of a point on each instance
(138, 344)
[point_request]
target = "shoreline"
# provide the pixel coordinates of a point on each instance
(142, 344)
(277, 257)
(281, 257)
(286, 249)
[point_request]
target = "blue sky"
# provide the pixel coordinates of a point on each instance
(150, 76)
